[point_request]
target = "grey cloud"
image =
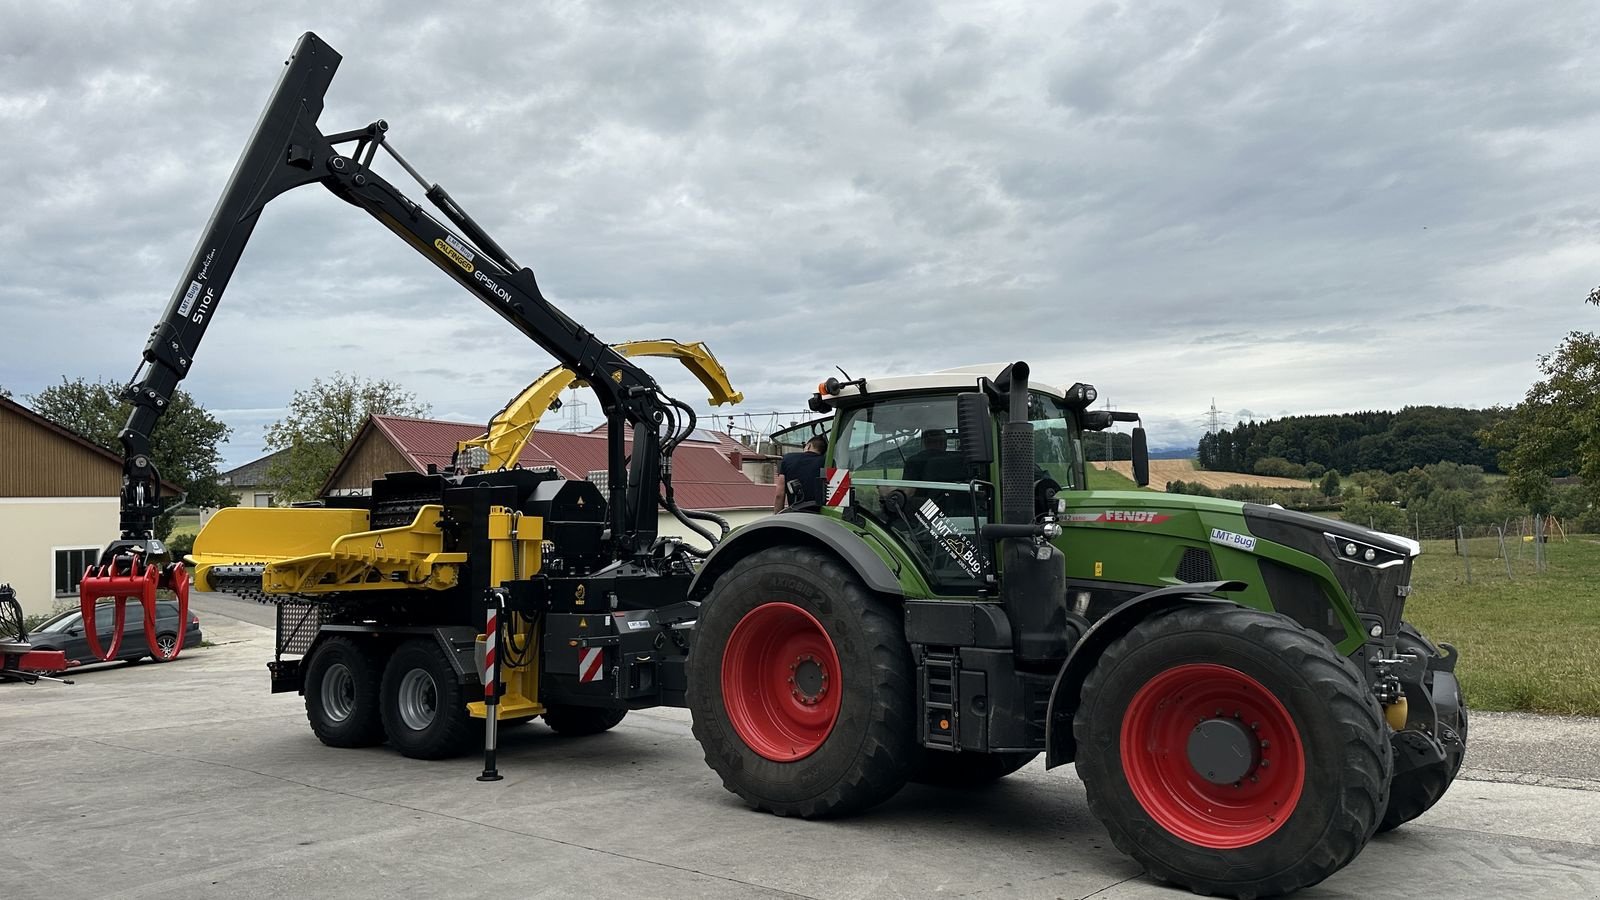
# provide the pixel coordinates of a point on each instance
(1174, 201)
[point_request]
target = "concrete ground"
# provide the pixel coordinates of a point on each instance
(188, 779)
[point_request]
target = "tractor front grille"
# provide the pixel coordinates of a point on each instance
(1196, 566)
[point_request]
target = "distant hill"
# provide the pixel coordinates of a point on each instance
(1352, 442)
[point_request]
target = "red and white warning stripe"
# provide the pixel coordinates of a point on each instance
(591, 664)
(838, 492)
(491, 667)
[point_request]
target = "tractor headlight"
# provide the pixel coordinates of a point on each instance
(1081, 395)
(1363, 554)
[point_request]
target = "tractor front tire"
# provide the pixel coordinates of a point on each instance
(943, 768)
(1415, 792)
(424, 706)
(580, 721)
(341, 689)
(802, 687)
(1231, 751)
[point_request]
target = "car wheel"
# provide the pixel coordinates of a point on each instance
(166, 641)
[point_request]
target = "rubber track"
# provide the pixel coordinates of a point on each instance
(1343, 693)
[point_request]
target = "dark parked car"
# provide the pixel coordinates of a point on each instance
(64, 632)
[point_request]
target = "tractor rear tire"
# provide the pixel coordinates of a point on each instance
(1231, 751)
(341, 689)
(966, 770)
(579, 721)
(1415, 792)
(801, 686)
(424, 705)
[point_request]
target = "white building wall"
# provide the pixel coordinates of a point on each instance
(669, 526)
(32, 529)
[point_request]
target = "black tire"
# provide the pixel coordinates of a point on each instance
(1293, 685)
(1415, 792)
(579, 721)
(424, 706)
(165, 635)
(348, 718)
(946, 769)
(863, 757)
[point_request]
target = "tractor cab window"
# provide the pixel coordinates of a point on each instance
(1055, 440)
(908, 476)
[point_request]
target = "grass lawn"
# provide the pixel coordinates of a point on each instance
(1529, 644)
(185, 525)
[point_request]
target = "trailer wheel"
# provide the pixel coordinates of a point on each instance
(424, 707)
(341, 688)
(1415, 792)
(1232, 751)
(801, 686)
(947, 769)
(578, 721)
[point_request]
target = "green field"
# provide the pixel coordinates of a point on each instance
(1108, 480)
(1532, 643)
(185, 525)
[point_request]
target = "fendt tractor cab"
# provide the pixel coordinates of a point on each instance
(1235, 682)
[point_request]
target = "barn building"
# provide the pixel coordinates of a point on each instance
(58, 506)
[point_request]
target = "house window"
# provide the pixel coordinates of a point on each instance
(262, 500)
(70, 564)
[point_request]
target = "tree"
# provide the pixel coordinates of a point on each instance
(183, 444)
(1330, 483)
(1555, 430)
(321, 422)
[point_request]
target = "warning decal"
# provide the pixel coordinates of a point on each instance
(838, 492)
(591, 664)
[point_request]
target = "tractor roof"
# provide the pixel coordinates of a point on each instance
(964, 376)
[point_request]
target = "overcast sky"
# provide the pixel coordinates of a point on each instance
(1288, 207)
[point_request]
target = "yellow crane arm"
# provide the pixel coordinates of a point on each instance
(512, 427)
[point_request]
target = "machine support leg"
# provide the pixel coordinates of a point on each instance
(491, 686)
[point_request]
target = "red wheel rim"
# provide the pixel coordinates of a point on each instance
(780, 682)
(1157, 729)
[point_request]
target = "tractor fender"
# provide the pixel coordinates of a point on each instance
(1060, 746)
(803, 528)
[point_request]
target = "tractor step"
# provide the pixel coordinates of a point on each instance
(939, 699)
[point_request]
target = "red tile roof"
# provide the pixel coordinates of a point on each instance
(702, 477)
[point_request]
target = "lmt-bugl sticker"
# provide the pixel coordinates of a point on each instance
(950, 540)
(457, 252)
(1232, 539)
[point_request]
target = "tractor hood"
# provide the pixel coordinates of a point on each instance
(1149, 537)
(1372, 567)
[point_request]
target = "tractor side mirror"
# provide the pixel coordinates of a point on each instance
(1141, 458)
(975, 429)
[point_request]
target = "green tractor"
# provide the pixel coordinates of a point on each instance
(1244, 701)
